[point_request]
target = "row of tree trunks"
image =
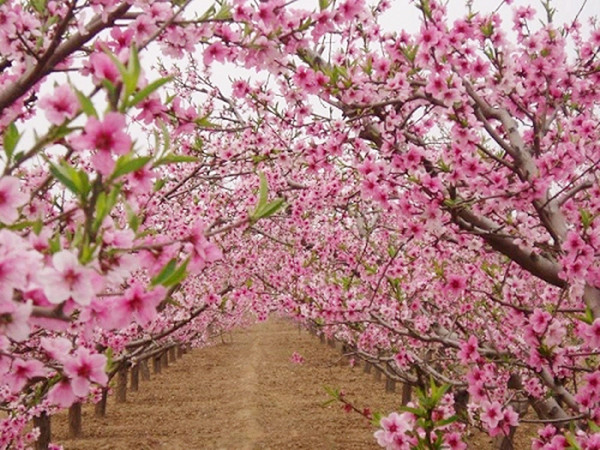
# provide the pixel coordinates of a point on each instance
(140, 369)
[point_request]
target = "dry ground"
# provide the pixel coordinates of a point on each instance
(244, 394)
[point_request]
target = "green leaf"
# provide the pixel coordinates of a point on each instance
(419, 412)
(448, 421)
(128, 78)
(54, 244)
(38, 5)
(104, 205)
(76, 181)
(376, 420)
(165, 273)
(10, 140)
(171, 301)
(167, 138)
(224, 13)
(158, 185)
(172, 159)
(132, 218)
(268, 210)
(323, 4)
(133, 65)
(332, 392)
(149, 89)
(86, 104)
(37, 226)
(126, 164)
(586, 218)
(177, 275)
(109, 359)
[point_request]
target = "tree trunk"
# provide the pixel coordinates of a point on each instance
(135, 377)
(75, 420)
(172, 354)
(165, 359)
(390, 385)
(502, 442)
(145, 370)
(406, 394)
(367, 368)
(43, 424)
(156, 364)
(122, 385)
(179, 351)
(100, 408)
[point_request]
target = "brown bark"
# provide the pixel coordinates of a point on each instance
(75, 420)
(406, 394)
(145, 370)
(390, 385)
(43, 424)
(100, 408)
(122, 385)
(135, 377)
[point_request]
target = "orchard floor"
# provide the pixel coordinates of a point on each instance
(245, 394)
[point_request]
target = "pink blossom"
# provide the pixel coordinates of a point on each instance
(62, 394)
(539, 320)
(593, 382)
(13, 273)
(477, 391)
(58, 348)
(14, 319)
(68, 279)
(215, 52)
(61, 105)
(454, 441)
(21, 371)
(468, 351)
(85, 367)
(139, 304)
(456, 284)
(491, 414)
(555, 333)
(592, 333)
(151, 108)
(393, 430)
(297, 358)
(11, 198)
(202, 251)
(106, 137)
(141, 180)
(103, 68)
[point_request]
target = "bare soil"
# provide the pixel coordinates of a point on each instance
(243, 394)
(246, 394)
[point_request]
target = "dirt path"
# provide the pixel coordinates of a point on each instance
(245, 394)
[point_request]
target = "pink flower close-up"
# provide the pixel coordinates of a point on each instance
(68, 279)
(61, 105)
(11, 199)
(105, 138)
(83, 368)
(139, 304)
